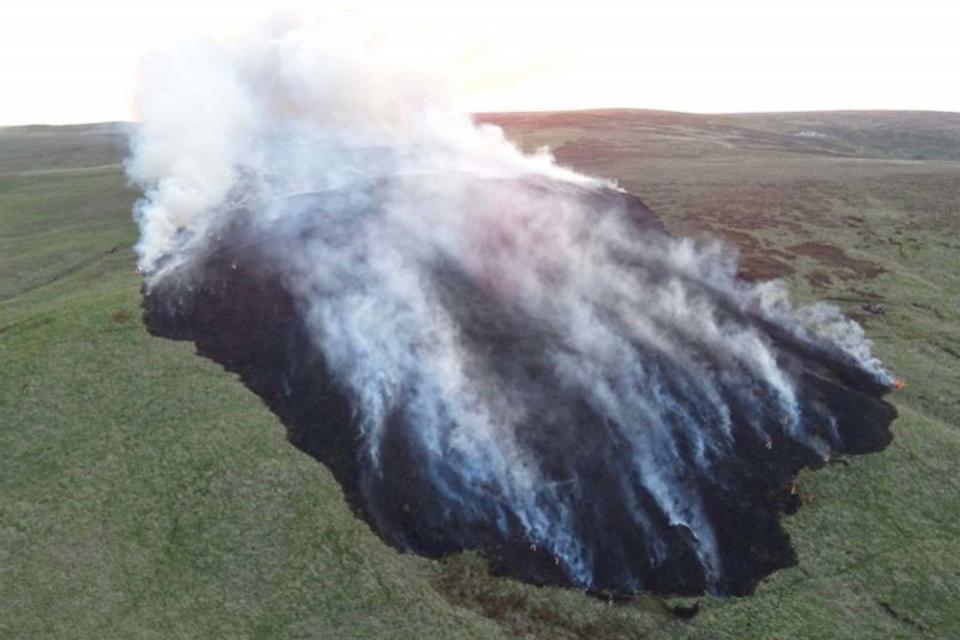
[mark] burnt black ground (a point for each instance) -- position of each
(241, 313)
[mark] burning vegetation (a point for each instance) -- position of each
(488, 351)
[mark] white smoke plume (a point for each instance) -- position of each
(655, 336)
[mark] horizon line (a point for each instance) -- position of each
(534, 112)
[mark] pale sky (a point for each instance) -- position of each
(77, 62)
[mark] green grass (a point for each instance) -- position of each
(144, 492)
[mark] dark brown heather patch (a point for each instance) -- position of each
(819, 279)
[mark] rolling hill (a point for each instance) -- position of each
(144, 492)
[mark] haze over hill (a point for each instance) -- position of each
(144, 488)
(908, 135)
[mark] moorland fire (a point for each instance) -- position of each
(489, 351)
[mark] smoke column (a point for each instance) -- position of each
(488, 350)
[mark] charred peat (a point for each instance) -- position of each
(241, 307)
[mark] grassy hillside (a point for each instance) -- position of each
(144, 492)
